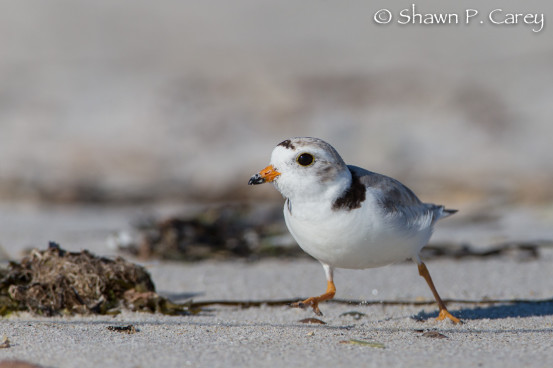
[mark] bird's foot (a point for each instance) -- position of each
(445, 314)
(313, 302)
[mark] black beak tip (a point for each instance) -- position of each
(256, 179)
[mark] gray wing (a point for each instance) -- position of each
(396, 199)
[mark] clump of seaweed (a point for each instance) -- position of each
(54, 282)
(218, 233)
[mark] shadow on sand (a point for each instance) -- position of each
(511, 310)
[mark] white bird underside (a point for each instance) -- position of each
(365, 237)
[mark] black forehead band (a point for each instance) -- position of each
(287, 144)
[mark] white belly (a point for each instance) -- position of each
(356, 239)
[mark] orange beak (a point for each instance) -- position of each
(268, 174)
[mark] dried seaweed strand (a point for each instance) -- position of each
(258, 303)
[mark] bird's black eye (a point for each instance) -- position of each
(305, 159)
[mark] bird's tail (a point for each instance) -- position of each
(446, 212)
(439, 212)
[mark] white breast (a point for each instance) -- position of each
(356, 239)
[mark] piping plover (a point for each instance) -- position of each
(346, 216)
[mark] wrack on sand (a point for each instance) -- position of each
(56, 282)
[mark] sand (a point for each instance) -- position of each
(493, 335)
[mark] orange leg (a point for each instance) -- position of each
(315, 300)
(423, 271)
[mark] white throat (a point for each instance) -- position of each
(304, 192)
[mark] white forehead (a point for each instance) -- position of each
(290, 148)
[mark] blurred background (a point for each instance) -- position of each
(124, 102)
